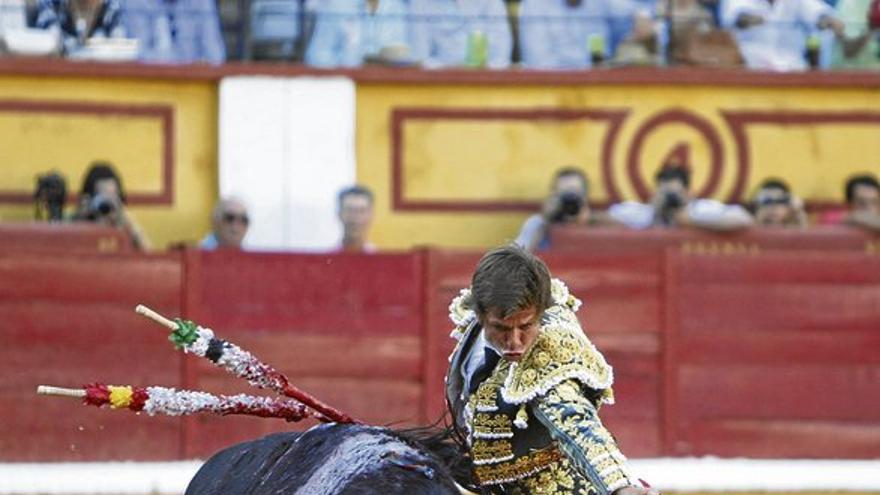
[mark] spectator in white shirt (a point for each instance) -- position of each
(450, 33)
(673, 206)
(13, 16)
(569, 34)
(350, 32)
(772, 34)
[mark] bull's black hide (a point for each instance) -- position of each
(326, 460)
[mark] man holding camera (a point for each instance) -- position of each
(102, 201)
(673, 206)
(775, 206)
(567, 204)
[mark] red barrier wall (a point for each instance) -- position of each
(773, 355)
(66, 238)
(574, 238)
(770, 354)
(67, 320)
(345, 328)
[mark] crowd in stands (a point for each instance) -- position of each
(779, 35)
(152, 31)
(674, 206)
(102, 200)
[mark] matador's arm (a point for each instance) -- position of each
(574, 422)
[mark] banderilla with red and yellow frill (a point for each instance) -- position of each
(192, 338)
(171, 402)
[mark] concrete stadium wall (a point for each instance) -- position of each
(160, 134)
(481, 154)
(456, 158)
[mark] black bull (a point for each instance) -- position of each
(328, 459)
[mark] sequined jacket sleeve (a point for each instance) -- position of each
(574, 423)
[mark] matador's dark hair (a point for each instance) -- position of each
(509, 279)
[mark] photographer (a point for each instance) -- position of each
(673, 206)
(102, 201)
(775, 206)
(567, 203)
(50, 197)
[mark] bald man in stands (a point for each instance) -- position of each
(229, 224)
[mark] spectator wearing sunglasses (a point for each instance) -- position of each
(230, 223)
(775, 206)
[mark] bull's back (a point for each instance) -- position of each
(328, 459)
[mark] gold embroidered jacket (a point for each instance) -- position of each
(533, 426)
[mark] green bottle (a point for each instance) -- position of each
(813, 51)
(596, 44)
(477, 49)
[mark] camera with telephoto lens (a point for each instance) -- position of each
(767, 200)
(669, 206)
(50, 196)
(101, 206)
(570, 205)
(671, 201)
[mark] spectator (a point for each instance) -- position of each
(102, 201)
(229, 225)
(772, 34)
(694, 38)
(570, 34)
(356, 215)
(673, 206)
(865, 53)
(863, 204)
(447, 33)
(567, 204)
(50, 197)
(863, 199)
(176, 31)
(79, 20)
(714, 8)
(276, 29)
(775, 206)
(13, 16)
(349, 32)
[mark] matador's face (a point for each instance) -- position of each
(511, 337)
